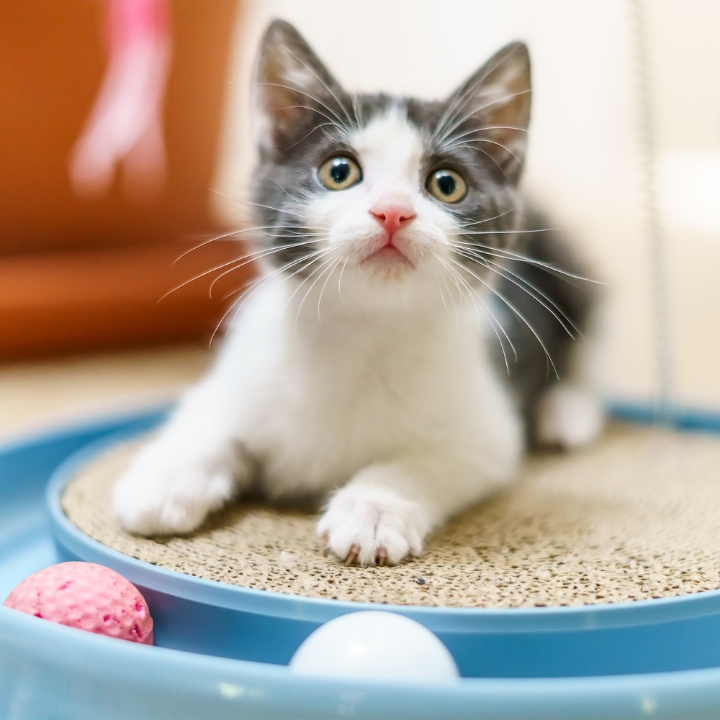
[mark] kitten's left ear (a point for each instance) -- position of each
(294, 89)
(498, 96)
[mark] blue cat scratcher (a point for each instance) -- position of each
(222, 650)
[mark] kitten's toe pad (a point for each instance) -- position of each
(167, 498)
(369, 525)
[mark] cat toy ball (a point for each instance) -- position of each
(375, 645)
(88, 597)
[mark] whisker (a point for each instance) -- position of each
(472, 294)
(476, 111)
(504, 232)
(256, 256)
(454, 108)
(270, 207)
(308, 134)
(323, 264)
(470, 143)
(330, 121)
(222, 237)
(342, 270)
(474, 223)
(321, 254)
(197, 277)
(276, 209)
(325, 85)
(338, 122)
(357, 109)
(504, 254)
(245, 258)
(529, 288)
(247, 292)
(322, 290)
(442, 297)
(452, 299)
(486, 128)
(515, 310)
(294, 199)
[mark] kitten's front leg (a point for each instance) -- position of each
(192, 468)
(384, 513)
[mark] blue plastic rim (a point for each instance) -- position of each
(49, 671)
(260, 626)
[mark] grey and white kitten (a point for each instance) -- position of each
(404, 344)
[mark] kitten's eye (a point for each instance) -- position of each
(447, 186)
(339, 173)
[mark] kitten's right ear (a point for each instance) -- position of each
(294, 89)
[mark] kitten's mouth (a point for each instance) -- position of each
(389, 255)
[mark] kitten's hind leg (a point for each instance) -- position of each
(570, 414)
(557, 383)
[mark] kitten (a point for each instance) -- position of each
(400, 350)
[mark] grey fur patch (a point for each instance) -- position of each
(480, 130)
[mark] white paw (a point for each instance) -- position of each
(568, 417)
(369, 525)
(161, 495)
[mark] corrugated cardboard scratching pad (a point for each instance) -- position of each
(635, 516)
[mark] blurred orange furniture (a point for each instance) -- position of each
(86, 275)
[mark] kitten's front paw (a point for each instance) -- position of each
(369, 525)
(165, 497)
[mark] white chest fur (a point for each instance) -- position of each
(402, 409)
(318, 397)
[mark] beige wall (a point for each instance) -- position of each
(583, 162)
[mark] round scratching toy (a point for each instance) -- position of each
(631, 517)
(375, 645)
(88, 597)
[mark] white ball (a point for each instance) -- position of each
(374, 645)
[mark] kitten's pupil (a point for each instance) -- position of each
(340, 170)
(446, 183)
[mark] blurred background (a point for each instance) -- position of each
(125, 141)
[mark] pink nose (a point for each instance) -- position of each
(392, 217)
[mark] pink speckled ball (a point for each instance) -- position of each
(85, 596)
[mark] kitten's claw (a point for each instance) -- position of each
(380, 559)
(371, 526)
(382, 556)
(353, 555)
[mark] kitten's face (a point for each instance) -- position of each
(390, 199)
